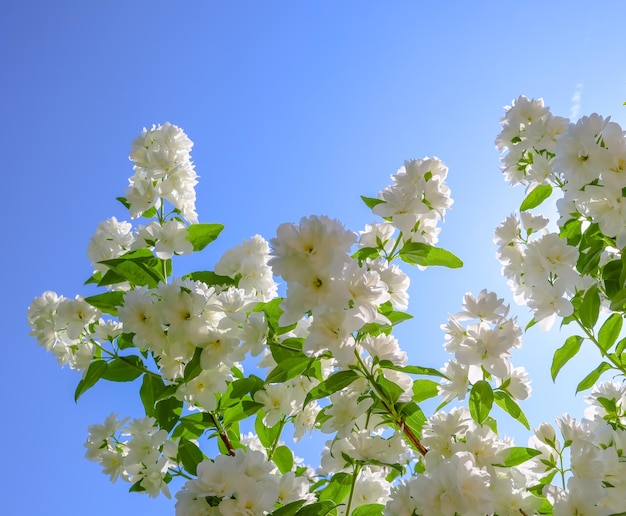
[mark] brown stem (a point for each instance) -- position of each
(223, 435)
(412, 437)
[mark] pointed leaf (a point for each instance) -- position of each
(290, 509)
(151, 388)
(337, 489)
(283, 458)
(317, 509)
(335, 382)
(537, 195)
(509, 405)
(124, 369)
(371, 201)
(210, 278)
(564, 354)
(95, 371)
(590, 307)
(107, 302)
(201, 235)
(418, 253)
(370, 509)
(517, 455)
(424, 389)
(480, 401)
(610, 330)
(590, 380)
(189, 455)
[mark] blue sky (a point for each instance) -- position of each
(295, 108)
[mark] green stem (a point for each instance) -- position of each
(357, 469)
(617, 365)
(561, 469)
(270, 452)
(390, 257)
(397, 419)
(113, 354)
(179, 473)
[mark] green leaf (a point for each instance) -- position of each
(288, 368)
(94, 372)
(317, 509)
(248, 385)
(210, 278)
(107, 302)
(168, 413)
(589, 260)
(151, 387)
(413, 417)
(337, 489)
(370, 509)
(366, 252)
(125, 340)
(192, 426)
(424, 389)
(610, 330)
(589, 381)
(391, 390)
(572, 231)
(124, 201)
(426, 371)
(517, 455)
(611, 276)
(290, 509)
(564, 354)
(201, 235)
(508, 404)
(480, 401)
(335, 382)
(537, 195)
(426, 255)
(590, 307)
(149, 213)
(124, 369)
(618, 300)
(193, 367)
(283, 458)
(371, 201)
(268, 435)
(189, 455)
(398, 317)
(241, 411)
(139, 268)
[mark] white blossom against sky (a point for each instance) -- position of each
(295, 108)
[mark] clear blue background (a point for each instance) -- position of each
(296, 108)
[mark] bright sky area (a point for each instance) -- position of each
(295, 108)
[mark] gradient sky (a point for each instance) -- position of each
(295, 108)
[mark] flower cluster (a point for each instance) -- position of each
(327, 353)
(466, 472)
(586, 160)
(417, 200)
(163, 171)
(244, 483)
(482, 349)
(140, 453)
(596, 464)
(66, 327)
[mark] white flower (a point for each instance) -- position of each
(318, 246)
(110, 240)
(172, 239)
(456, 486)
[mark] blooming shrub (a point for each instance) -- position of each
(328, 359)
